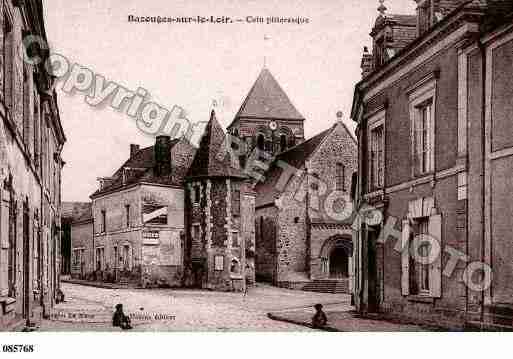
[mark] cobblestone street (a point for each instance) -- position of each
(91, 308)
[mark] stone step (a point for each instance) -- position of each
(328, 286)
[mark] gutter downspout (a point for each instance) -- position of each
(483, 160)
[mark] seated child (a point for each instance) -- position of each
(120, 319)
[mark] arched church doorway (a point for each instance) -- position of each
(338, 263)
(336, 257)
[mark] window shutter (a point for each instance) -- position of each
(435, 270)
(419, 143)
(4, 219)
(405, 258)
(413, 135)
(257, 231)
(4, 241)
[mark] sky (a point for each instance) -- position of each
(191, 65)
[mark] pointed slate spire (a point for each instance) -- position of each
(211, 159)
(267, 100)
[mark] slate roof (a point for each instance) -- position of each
(206, 162)
(405, 30)
(296, 157)
(267, 100)
(76, 211)
(399, 19)
(141, 168)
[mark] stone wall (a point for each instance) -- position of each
(218, 258)
(81, 238)
(155, 256)
(327, 203)
(30, 170)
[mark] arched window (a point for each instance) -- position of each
(283, 142)
(235, 266)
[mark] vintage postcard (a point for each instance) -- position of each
(255, 166)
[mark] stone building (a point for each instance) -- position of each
(220, 208)
(31, 140)
(435, 159)
(70, 211)
(81, 235)
(295, 239)
(138, 217)
(198, 229)
(303, 212)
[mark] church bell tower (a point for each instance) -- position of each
(267, 119)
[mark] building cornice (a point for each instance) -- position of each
(463, 24)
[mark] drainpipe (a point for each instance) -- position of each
(483, 159)
(93, 249)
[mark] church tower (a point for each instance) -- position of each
(267, 119)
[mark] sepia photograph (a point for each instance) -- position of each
(251, 167)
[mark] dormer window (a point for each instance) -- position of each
(379, 51)
(425, 12)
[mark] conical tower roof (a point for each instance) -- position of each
(267, 100)
(211, 159)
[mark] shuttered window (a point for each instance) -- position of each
(421, 278)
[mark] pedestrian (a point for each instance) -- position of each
(319, 320)
(120, 319)
(59, 298)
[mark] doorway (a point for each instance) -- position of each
(26, 261)
(372, 237)
(338, 263)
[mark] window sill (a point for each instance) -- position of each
(7, 300)
(421, 298)
(7, 304)
(423, 175)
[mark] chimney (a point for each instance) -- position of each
(340, 116)
(133, 149)
(366, 64)
(163, 155)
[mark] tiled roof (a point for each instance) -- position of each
(267, 100)
(296, 157)
(207, 161)
(141, 168)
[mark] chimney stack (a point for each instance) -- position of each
(163, 155)
(133, 149)
(340, 116)
(366, 64)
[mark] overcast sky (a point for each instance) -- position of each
(190, 65)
